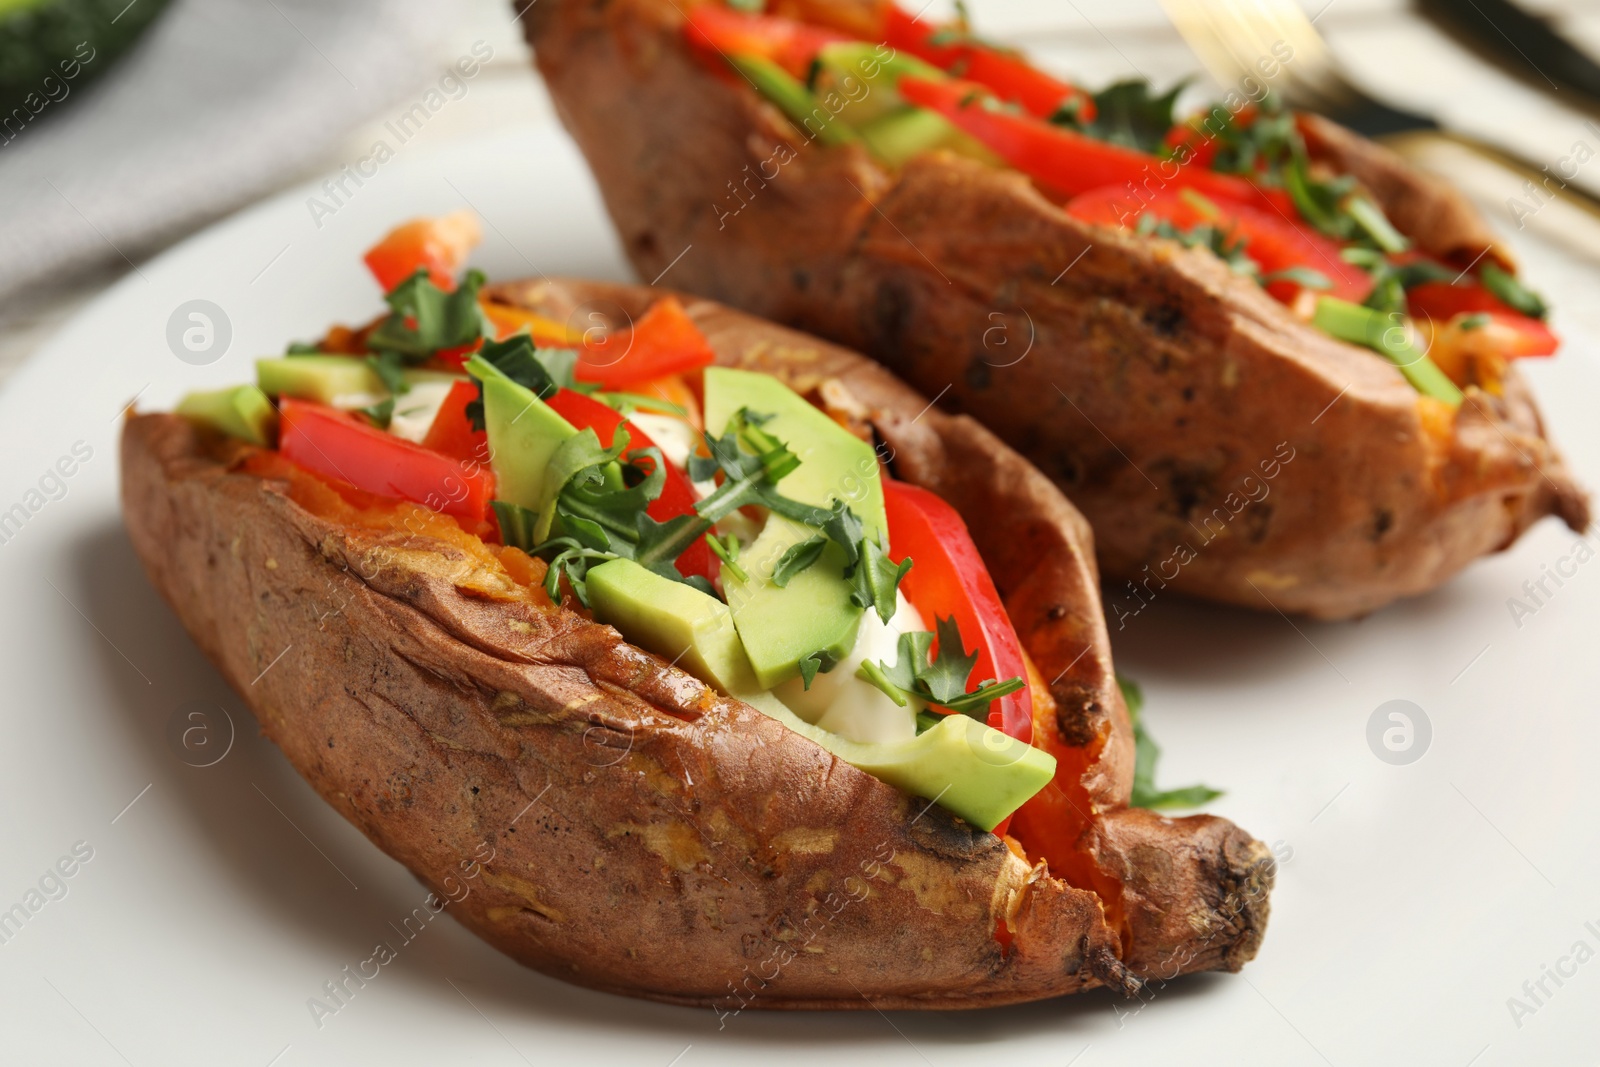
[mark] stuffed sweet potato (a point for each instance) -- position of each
(599, 812)
(1167, 333)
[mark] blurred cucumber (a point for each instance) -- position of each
(50, 48)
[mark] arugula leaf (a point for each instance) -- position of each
(1146, 753)
(819, 660)
(303, 348)
(1508, 289)
(1127, 113)
(390, 369)
(940, 679)
(1269, 149)
(875, 580)
(878, 676)
(1219, 242)
(424, 319)
(1304, 277)
(516, 524)
(727, 550)
(575, 465)
(796, 558)
(544, 371)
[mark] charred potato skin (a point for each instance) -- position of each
(607, 819)
(1158, 389)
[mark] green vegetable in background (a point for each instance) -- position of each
(1146, 753)
(49, 48)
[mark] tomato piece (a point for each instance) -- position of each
(1275, 243)
(787, 42)
(664, 341)
(948, 578)
(1010, 76)
(441, 245)
(1067, 163)
(452, 432)
(905, 33)
(332, 443)
(677, 495)
(1443, 301)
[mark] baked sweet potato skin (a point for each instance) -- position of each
(644, 835)
(1219, 446)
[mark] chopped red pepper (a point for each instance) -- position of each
(665, 340)
(1442, 301)
(1008, 75)
(1067, 163)
(948, 578)
(332, 443)
(451, 431)
(677, 495)
(787, 42)
(1275, 244)
(441, 245)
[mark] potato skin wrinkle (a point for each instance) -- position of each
(644, 834)
(1220, 447)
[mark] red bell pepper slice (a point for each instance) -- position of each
(451, 431)
(787, 42)
(1010, 76)
(1276, 244)
(1067, 163)
(1442, 301)
(664, 341)
(677, 495)
(948, 578)
(441, 245)
(332, 443)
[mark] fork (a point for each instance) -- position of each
(1230, 37)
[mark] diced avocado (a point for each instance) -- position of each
(813, 613)
(673, 620)
(834, 463)
(782, 626)
(338, 381)
(524, 432)
(896, 137)
(242, 411)
(858, 80)
(971, 769)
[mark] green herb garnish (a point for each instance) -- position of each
(1127, 113)
(940, 679)
(1146, 753)
(1512, 292)
(424, 319)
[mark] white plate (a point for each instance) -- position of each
(1416, 899)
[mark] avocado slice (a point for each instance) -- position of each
(973, 770)
(813, 613)
(860, 79)
(524, 432)
(241, 411)
(338, 381)
(793, 99)
(673, 620)
(896, 137)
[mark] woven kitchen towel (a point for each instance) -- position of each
(222, 101)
